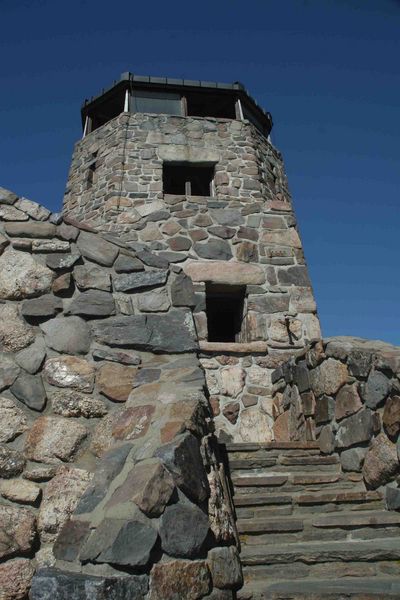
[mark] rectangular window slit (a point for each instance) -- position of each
(224, 309)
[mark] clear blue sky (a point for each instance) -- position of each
(327, 70)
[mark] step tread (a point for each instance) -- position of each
(314, 552)
(260, 480)
(337, 497)
(309, 460)
(267, 500)
(249, 447)
(364, 588)
(270, 524)
(364, 519)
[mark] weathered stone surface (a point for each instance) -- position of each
(91, 277)
(183, 530)
(183, 459)
(347, 401)
(376, 389)
(154, 301)
(135, 281)
(7, 197)
(61, 261)
(127, 264)
(179, 243)
(12, 462)
(352, 459)
(21, 276)
(255, 426)
(125, 358)
(269, 303)
(225, 567)
(175, 579)
(51, 584)
(359, 363)
(149, 485)
(70, 539)
(53, 245)
(232, 381)
(61, 496)
(116, 381)
(226, 216)
(324, 409)
(33, 209)
(182, 291)
(14, 333)
(67, 335)
(234, 273)
(30, 229)
(71, 403)
(107, 469)
(67, 232)
(328, 377)
(15, 578)
(92, 304)
(62, 285)
(129, 543)
(297, 275)
(10, 213)
(355, 429)
(54, 439)
(13, 421)
(124, 424)
(281, 427)
(19, 490)
(17, 530)
(391, 416)
(213, 250)
(29, 389)
(45, 306)
(173, 332)
(381, 463)
(9, 371)
(326, 440)
(231, 411)
(70, 372)
(32, 357)
(40, 473)
(97, 249)
(392, 497)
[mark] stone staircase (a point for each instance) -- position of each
(308, 531)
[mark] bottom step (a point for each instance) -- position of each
(324, 589)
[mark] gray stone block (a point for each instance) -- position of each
(97, 249)
(129, 282)
(92, 304)
(52, 584)
(183, 530)
(67, 335)
(355, 429)
(29, 389)
(214, 250)
(376, 389)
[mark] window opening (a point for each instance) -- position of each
(182, 179)
(224, 309)
(91, 173)
(156, 102)
(209, 105)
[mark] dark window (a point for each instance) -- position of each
(106, 110)
(91, 172)
(190, 180)
(209, 105)
(224, 309)
(156, 102)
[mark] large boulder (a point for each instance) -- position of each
(15, 334)
(21, 276)
(179, 579)
(54, 439)
(183, 530)
(381, 463)
(17, 531)
(67, 335)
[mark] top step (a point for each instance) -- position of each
(250, 447)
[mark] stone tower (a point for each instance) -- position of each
(184, 173)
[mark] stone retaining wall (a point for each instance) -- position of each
(345, 392)
(111, 482)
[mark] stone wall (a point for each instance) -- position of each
(245, 234)
(345, 392)
(111, 481)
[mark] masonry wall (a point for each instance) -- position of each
(245, 234)
(111, 483)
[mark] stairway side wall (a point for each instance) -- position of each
(345, 393)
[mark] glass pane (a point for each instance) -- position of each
(156, 102)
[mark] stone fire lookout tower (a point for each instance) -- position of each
(185, 171)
